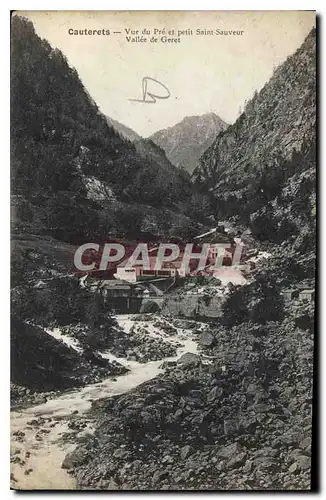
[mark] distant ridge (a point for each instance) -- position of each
(123, 130)
(185, 142)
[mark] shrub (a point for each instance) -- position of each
(149, 307)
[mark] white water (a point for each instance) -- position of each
(66, 339)
(46, 455)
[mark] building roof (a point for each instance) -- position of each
(114, 282)
(115, 285)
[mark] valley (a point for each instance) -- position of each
(204, 382)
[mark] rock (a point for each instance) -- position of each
(229, 451)
(112, 485)
(75, 458)
(33, 422)
(160, 476)
(248, 425)
(305, 443)
(19, 434)
(214, 393)
(167, 459)
(247, 467)
(231, 426)
(165, 487)
(178, 414)
(206, 339)
(121, 453)
(265, 464)
(185, 452)
(236, 461)
(294, 468)
(285, 439)
(194, 393)
(221, 467)
(198, 419)
(304, 462)
(167, 364)
(189, 359)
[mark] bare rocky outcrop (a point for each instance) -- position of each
(186, 141)
(268, 148)
(202, 426)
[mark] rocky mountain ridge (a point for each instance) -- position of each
(123, 130)
(277, 122)
(186, 141)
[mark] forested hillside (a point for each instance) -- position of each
(261, 169)
(73, 176)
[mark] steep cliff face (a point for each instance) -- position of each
(188, 140)
(272, 140)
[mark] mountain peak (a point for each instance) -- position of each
(186, 141)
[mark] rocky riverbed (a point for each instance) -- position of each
(43, 434)
(231, 409)
(239, 418)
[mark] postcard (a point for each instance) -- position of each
(163, 244)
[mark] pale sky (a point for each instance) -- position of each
(203, 73)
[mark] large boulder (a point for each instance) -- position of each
(75, 458)
(214, 393)
(229, 451)
(189, 359)
(185, 452)
(206, 339)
